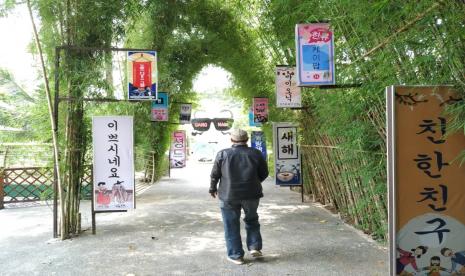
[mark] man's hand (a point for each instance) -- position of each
(214, 194)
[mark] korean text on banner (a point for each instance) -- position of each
(315, 54)
(113, 179)
(160, 108)
(142, 75)
(257, 141)
(260, 110)
(178, 149)
(426, 182)
(287, 155)
(185, 114)
(287, 91)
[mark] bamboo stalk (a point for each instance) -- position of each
(52, 121)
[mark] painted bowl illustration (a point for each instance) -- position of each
(285, 176)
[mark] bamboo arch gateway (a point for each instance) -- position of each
(426, 182)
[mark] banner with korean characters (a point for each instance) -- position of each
(185, 114)
(287, 92)
(426, 182)
(257, 141)
(160, 108)
(314, 54)
(252, 123)
(286, 154)
(260, 110)
(142, 75)
(178, 149)
(113, 168)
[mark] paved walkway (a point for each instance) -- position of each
(177, 230)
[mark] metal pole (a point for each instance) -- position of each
(92, 203)
(93, 212)
(302, 177)
(55, 117)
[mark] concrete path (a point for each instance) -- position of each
(177, 230)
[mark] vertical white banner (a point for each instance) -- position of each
(287, 92)
(112, 138)
(286, 154)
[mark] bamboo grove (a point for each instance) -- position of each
(378, 43)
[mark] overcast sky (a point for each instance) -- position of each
(16, 32)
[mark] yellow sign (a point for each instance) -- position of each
(427, 183)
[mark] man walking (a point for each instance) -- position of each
(240, 171)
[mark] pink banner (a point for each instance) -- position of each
(260, 110)
(178, 149)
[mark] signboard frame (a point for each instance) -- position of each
(126, 153)
(414, 98)
(150, 64)
(173, 148)
(300, 67)
(287, 85)
(290, 163)
(253, 142)
(256, 101)
(162, 106)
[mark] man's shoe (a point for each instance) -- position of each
(256, 253)
(239, 261)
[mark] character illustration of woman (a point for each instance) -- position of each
(434, 267)
(103, 198)
(409, 258)
(119, 194)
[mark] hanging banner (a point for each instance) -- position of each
(257, 141)
(287, 91)
(142, 75)
(251, 119)
(315, 54)
(260, 110)
(178, 149)
(287, 155)
(160, 108)
(185, 114)
(113, 168)
(426, 182)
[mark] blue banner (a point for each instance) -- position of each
(251, 119)
(258, 142)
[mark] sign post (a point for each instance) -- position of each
(426, 182)
(178, 149)
(258, 141)
(288, 94)
(160, 108)
(287, 155)
(260, 110)
(142, 75)
(185, 114)
(113, 168)
(315, 54)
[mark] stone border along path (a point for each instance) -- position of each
(177, 230)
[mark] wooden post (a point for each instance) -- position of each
(2, 175)
(153, 168)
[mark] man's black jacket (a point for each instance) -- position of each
(240, 171)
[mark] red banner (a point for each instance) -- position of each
(142, 74)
